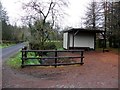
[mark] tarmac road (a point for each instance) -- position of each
(8, 52)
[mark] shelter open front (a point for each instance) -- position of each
(78, 38)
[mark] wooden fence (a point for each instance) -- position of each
(55, 57)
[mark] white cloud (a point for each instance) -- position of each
(14, 10)
(75, 11)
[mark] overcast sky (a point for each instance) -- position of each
(75, 11)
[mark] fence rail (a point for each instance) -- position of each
(55, 57)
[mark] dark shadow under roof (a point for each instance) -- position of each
(83, 30)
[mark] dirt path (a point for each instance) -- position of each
(99, 71)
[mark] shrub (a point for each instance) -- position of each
(34, 46)
(50, 45)
(47, 46)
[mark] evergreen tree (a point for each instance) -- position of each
(93, 16)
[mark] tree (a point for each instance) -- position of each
(4, 19)
(108, 19)
(110, 22)
(113, 24)
(3, 14)
(105, 17)
(93, 16)
(9, 32)
(42, 18)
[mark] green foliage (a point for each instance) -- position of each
(113, 24)
(47, 46)
(58, 45)
(4, 45)
(15, 61)
(32, 62)
(6, 31)
(41, 32)
(100, 43)
(9, 32)
(50, 45)
(114, 41)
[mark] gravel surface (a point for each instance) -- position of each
(100, 70)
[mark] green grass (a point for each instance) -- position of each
(15, 61)
(114, 50)
(3, 45)
(32, 61)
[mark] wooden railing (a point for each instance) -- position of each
(55, 57)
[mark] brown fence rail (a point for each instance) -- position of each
(55, 57)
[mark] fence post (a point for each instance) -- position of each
(22, 66)
(55, 58)
(81, 58)
(24, 55)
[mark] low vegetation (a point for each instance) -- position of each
(15, 61)
(4, 45)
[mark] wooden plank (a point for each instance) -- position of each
(71, 57)
(54, 57)
(57, 64)
(52, 50)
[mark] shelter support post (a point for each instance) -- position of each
(81, 58)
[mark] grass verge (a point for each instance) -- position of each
(3, 45)
(15, 61)
(114, 50)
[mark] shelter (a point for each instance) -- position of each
(79, 38)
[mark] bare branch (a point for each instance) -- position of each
(37, 8)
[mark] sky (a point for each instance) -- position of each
(75, 11)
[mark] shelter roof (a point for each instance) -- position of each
(83, 30)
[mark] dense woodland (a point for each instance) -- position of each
(105, 16)
(10, 33)
(41, 22)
